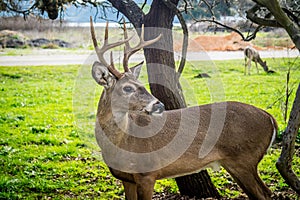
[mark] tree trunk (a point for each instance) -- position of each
(197, 185)
(284, 163)
(164, 84)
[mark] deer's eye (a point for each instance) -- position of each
(128, 89)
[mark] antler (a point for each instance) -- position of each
(100, 51)
(129, 51)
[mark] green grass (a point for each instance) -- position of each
(47, 148)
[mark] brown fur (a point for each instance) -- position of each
(246, 135)
(141, 144)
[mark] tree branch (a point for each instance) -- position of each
(281, 17)
(292, 16)
(11, 7)
(144, 4)
(251, 15)
(131, 10)
(248, 38)
(284, 163)
(173, 7)
(208, 6)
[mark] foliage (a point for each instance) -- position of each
(39, 7)
(201, 10)
(43, 155)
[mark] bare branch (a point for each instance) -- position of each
(185, 5)
(144, 4)
(251, 15)
(12, 7)
(248, 38)
(210, 7)
(284, 163)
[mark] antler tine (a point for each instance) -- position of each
(95, 42)
(144, 43)
(105, 47)
(112, 60)
(128, 51)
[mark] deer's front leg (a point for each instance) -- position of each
(145, 186)
(256, 67)
(245, 66)
(249, 66)
(130, 190)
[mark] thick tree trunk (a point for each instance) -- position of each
(164, 84)
(162, 76)
(284, 163)
(197, 185)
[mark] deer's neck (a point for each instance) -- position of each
(104, 112)
(107, 114)
(111, 123)
(263, 64)
(119, 123)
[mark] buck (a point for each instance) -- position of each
(252, 54)
(141, 142)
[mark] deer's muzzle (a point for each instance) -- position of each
(155, 108)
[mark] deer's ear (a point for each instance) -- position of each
(102, 76)
(136, 70)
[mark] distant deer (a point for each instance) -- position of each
(141, 142)
(252, 54)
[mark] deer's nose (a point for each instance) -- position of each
(158, 108)
(155, 107)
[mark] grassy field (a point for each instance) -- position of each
(47, 149)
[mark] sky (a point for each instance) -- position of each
(82, 14)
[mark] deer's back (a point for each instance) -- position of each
(227, 131)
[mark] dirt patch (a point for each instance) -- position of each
(230, 42)
(166, 196)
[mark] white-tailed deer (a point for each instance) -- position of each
(252, 54)
(141, 142)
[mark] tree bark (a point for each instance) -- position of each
(197, 185)
(131, 10)
(284, 163)
(162, 76)
(164, 84)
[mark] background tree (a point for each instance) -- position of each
(274, 13)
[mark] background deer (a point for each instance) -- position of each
(141, 143)
(252, 54)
